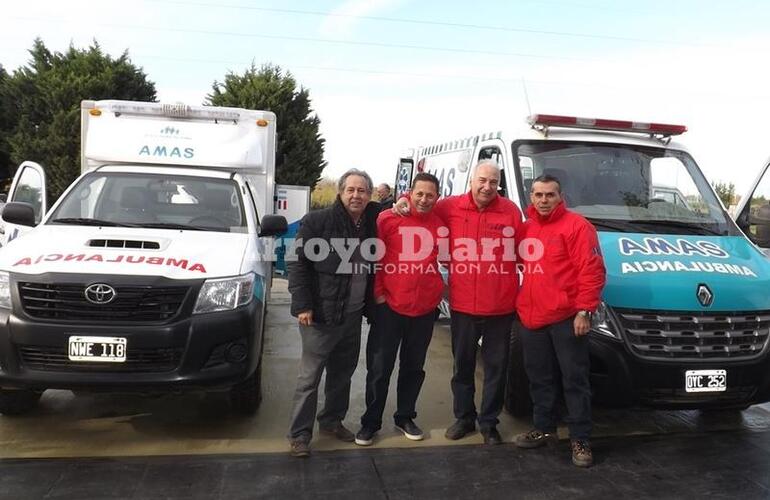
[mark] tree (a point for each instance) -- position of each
(47, 94)
(300, 147)
(8, 118)
(726, 192)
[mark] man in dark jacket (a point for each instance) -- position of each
(331, 288)
(385, 195)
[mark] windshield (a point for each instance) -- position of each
(147, 200)
(622, 187)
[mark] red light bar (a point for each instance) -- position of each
(605, 124)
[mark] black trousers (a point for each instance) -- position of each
(391, 330)
(547, 352)
(495, 332)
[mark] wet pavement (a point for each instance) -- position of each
(189, 446)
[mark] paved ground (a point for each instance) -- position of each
(714, 465)
(191, 447)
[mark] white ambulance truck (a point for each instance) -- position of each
(151, 271)
(685, 315)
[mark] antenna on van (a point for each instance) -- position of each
(526, 95)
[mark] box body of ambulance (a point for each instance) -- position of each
(151, 271)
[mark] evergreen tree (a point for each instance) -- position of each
(47, 94)
(8, 118)
(299, 148)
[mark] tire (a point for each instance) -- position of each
(18, 402)
(246, 396)
(517, 400)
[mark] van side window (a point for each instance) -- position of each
(30, 190)
(755, 219)
(494, 153)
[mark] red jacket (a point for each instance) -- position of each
(479, 285)
(409, 277)
(570, 275)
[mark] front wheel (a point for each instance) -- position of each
(517, 400)
(246, 396)
(18, 402)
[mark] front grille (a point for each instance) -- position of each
(132, 303)
(137, 360)
(687, 335)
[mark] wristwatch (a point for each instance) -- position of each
(584, 313)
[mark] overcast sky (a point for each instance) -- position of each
(385, 75)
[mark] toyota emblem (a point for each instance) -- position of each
(100, 294)
(704, 294)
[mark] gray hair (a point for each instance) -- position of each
(485, 163)
(360, 173)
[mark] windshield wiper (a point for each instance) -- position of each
(86, 221)
(694, 227)
(171, 225)
(622, 226)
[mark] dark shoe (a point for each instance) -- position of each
(491, 436)
(339, 431)
(581, 453)
(459, 429)
(536, 439)
(410, 429)
(365, 436)
(299, 448)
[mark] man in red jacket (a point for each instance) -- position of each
(483, 227)
(407, 289)
(555, 305)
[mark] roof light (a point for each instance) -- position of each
(176, 110)
(95, 112)
(261, 122)
(606, 124)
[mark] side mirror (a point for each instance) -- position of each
(273, 225)
(18, 212)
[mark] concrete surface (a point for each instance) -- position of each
(66, 425)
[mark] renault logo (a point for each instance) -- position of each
(705, 297)
(100, 293)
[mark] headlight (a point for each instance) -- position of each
(5, 290)
(225, 294)
(603, 322)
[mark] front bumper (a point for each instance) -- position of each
(621, 378)
(205, 351)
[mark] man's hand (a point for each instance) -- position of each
(305, 318)
(401, 207)
(380, 299)
(582, 325)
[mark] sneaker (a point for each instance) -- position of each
(491, 436)
(581, 453)
(536, 439)
(459, 429)
(365, 436)
(338, 431)
(410, 429)
(299, 448)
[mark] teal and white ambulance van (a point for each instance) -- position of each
(685, 317)
(151, 272)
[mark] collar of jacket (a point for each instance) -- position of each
(468, 203)
(556, 214)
